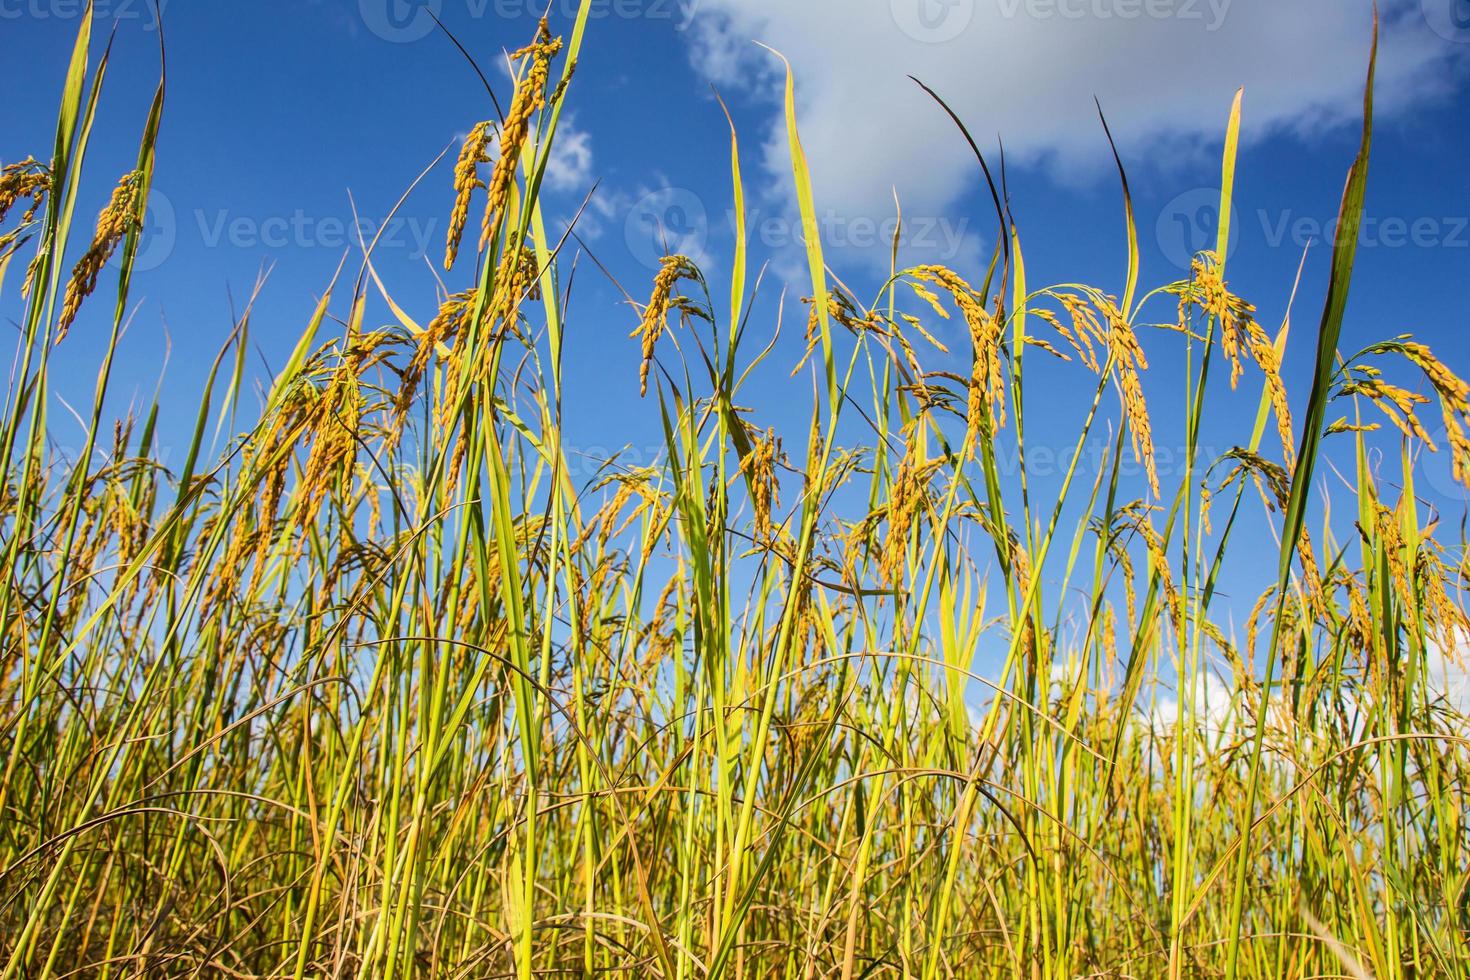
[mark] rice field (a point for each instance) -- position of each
(387, 687)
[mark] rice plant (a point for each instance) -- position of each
(384, 689)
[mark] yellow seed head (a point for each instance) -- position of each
(987, 389)
(759, 468)
(1129, 362)
(1263, 352)
(530, 96)
(656, 313)
(24, 179)
(466, 179)
(124, 213)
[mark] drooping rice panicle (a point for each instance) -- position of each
(655, 322)
(530, 96)
(123, 214)
(466, 179)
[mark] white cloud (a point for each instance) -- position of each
(570, 166)
(647, 221)
(1449, 674)
(1165, 71)
(1218, 716)
(1213, 713)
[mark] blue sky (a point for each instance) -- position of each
(277, 110)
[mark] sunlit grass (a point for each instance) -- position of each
(385, 689)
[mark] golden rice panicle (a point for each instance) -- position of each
(1211, 293)
(1263, 352)
(1108, 638)
(987, 390)
(813, 333)
(516, 280)
(1449, 385)
(605, 523)
(1084, 330)
(530, 96)
(1257, 617)
(335, 422)
(1398, 404)
(759, 467)
(1459, 448)
(1312, 587)
(1130, 591)
(1082, 345)
(855, 544)
(1273, 482)
(904, 502)
(1359, 622)
(1396, 552)
(1020, 560)
(1023, 574)
(29, 179)
(448, 323)
(656, 313)
(1270, 479)
(1159, 560)
(1454, 400)
(1129, 361)
(466, 178)
(122, 215)
(1445, 617)
(844, 310)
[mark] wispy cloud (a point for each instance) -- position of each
(1164, 70)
